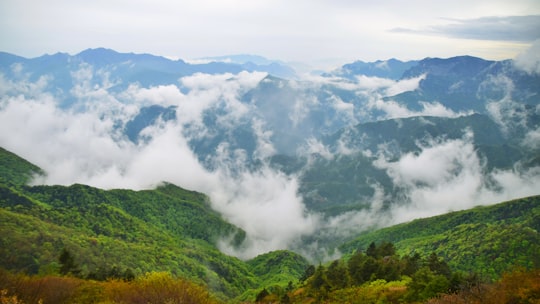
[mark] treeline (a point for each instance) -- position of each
(376, 275)
(488, 240)
(69, 267)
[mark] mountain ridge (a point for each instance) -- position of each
(44, 216)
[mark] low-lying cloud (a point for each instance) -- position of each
(444, 175)
(87, 147)
(84, 144)
(529, 60)
(394, 109)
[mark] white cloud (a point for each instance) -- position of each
(267, 206)
(265, 148)
(206, 91)
(404, 85)
(394, 109)
(449, 175)
(532, 139)
(85, 147)
(509, 28)
(529, 60)
(313, 146)
(164, 95)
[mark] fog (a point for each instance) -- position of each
(84, 144)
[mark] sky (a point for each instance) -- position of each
(311, 31)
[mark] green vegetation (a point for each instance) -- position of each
(380, 275)
(65, 244)
(16, 170)
(278, 271)
(103, 234)
(486, 240)
(154, 287)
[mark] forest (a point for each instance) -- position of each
(80, 244)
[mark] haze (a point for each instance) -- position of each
(317, 32)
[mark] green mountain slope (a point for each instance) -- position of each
(342, 183)
(15, 169)
(486, 240)
(109, 231)
(175, 230)
(101, 233)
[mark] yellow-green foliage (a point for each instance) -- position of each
(155, 287)
(518, 286)
(486, 240)
(378, 291)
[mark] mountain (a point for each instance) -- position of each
(125, 233)
(16, 170)
(487, 240)
(117, 70)
(165, 229)
(343, 182)
(379, 144)
(391, 69)
(465, 82)
(255, 62)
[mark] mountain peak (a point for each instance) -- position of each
(459, 65)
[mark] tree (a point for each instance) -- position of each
(370, 268)
(337, 275)
(355, 268)
(426, 284)
(438, 265)
(411, 264)
(372, 250)
(320, 281)
(261, 295)
(310, 270)
(385, 249)
(67, 264)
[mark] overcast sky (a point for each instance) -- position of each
(293, 30)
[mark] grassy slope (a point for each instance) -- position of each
(487, 240)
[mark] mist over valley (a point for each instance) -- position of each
(297, 161)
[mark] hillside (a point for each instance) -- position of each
(487, 240)
(16, 170)
(125, 233)
(344, 182)
(122, 231)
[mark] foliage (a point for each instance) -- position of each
(117, 234)
(155, 287)
(16, 170)
(67, 264)
(377, 275)
(518, 286)
(124, 246)
(485, 240)
(278, 267)
(431, 281)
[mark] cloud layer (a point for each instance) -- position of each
(86, 144)
(86, 147)
(507, 28)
